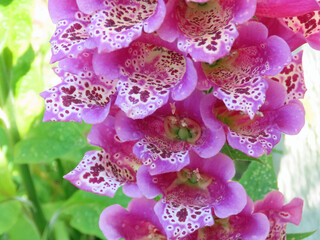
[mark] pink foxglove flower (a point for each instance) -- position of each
(279, 214)
(237, 79)
(260, 134)
(106, 25)
(137, 223)
(205, 29)
(285, 8)
(149, 71)
(82, 95)
(164, 139)
(103, 172)
(192, 195)
(292, 78)
(245, 225)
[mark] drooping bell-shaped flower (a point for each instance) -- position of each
(285, 8)
(237, 79)
(279, 214)
(103, 172)
(258, 135)
(245, 225)
(107, 25)
(292, 78)
(149, 71)
(205, 29)
(82, 95)
(139, 222)
(192, 195)
(164, 139)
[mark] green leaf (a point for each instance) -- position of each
(237, 155)
(5, 74)
(299, 236)
(10, 212)
(259, 179)
(23, 229)
(3, 137)
(84, 209)
(16, 25)
(49, 141)
(22, 66)
(7, 187)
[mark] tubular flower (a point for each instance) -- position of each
(292, 78)
(192, 195)
(205, 29)
(260, 134)
(103, 172)
(279, 214)
(164, 139)
(139, 222)
(81, 95)
(237, 79)
(244, 225)
(107, 25)
(148, 71)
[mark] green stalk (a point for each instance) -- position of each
(24, 169)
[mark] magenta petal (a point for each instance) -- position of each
(233, 201)
(91, 6)
(275, 96)
(96, 114)
(255, 145)
(187, 84)
(139, 222)
(285, 8)
(211, 142)
(220, 166)
(95, 174)
(207, 114)
(69, 37)
(146, 183)
(180, 220)
(155, 21)
(273, 200)
(77, 92)
(291, 117)
(111, 221)
(160, 156)
(278, 54)
(126, 128)
(132, 190)
(250, 34)
(62, 9)
(293, 211)
(118, 24)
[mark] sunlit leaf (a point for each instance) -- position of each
(5, 74)
(84, 210)
(16, 25)
(23, 229)
(22, 67)
(237, 155)
(10, 211)
(3, 137)
(260, 179)
(299, 236)
(49, 141)
(7, 187)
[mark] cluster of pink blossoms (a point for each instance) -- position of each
(166, 83)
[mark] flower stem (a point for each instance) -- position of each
(14, 136)
(32, 195)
